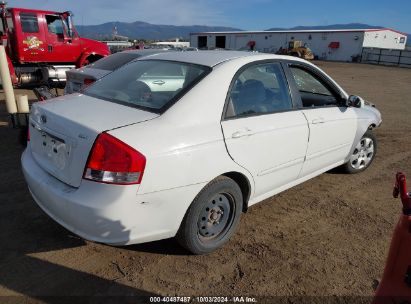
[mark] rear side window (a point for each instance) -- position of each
(152, 85)
(113, 62)
(259, 89)
(29, 23)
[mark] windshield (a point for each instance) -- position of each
(153, 85)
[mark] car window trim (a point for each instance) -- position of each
(242, 69)
(325, 80)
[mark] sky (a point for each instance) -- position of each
(243, 14)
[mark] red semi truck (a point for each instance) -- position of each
(42, 45)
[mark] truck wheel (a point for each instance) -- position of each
(363, 154)
(212, 217)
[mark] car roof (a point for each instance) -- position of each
(207, 58)
(144, 52)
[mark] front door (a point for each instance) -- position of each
(60, 47)
(263, 132)
(332, 125)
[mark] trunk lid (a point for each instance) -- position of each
(63, 130)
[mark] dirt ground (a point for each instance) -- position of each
(328, 236)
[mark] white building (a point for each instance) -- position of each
(118, 45)
(338, 45)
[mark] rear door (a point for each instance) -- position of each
(263, 131)
(332, 125)
(32, 38)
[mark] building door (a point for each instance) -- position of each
(202, 42)
(220, 42)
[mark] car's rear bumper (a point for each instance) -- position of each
(106, 213)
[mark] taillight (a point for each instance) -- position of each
(114, 162)
(88, 81)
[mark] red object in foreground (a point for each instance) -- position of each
(395, 286)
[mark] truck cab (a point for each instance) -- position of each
(46, 39)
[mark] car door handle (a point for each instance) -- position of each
(159, 82)
(242, 133)
(318, 120)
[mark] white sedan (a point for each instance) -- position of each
(125, 163)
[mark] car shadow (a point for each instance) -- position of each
(167, 246)
(338, 171)
(36, 279)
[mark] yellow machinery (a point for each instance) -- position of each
(298, 49)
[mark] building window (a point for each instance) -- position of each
(324, 36)
(402, 40)
(29, 23)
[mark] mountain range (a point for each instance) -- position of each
(348, 26)
(144, 30)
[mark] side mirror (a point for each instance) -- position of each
(68, 40)
(355, 101)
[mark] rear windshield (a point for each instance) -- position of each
(113, 62)
(152, 85)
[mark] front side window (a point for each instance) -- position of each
(259, 89)
(54, 24)
(148, 84)
(29, 23)
(314, 92)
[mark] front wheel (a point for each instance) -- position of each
(212, 217)
(363, 154)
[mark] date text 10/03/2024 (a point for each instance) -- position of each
(207, 299)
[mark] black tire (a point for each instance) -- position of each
(351, 167)
(219, 203)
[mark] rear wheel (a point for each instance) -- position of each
(363, 154)
(212, 217)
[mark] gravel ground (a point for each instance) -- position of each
(328, 236)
